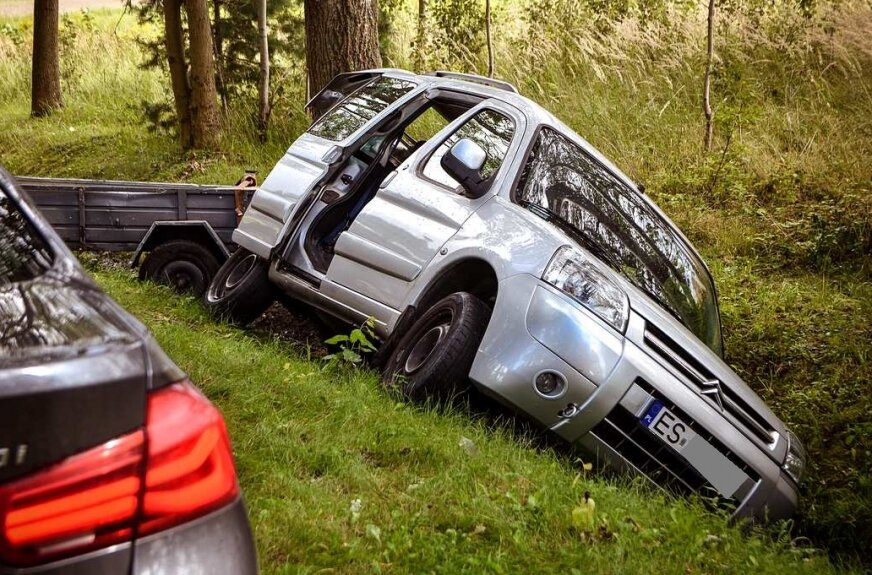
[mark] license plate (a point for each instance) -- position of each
(667, 426)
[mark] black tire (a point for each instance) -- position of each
(241, 291)
(186, 266)
(433, 359)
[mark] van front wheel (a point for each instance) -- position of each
(433, 359)
(241, 291)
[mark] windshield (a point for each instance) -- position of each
(619, 227)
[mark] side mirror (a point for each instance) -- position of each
(464, 162)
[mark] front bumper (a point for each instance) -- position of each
(535, 327)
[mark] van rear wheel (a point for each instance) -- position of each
(241, 291)
(433, 359)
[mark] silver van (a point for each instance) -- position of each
(493, 245)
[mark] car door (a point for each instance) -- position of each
(417, 209)
(282, 199)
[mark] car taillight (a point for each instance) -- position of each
(190, 465)
(98, 498)
(89, 500)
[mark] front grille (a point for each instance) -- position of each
(623, 432)
(697, 374)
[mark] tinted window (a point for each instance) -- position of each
(490, 130)
(44, 314)
(23, 254)
(621, 228)
(359, 108)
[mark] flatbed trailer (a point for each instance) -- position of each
(182, 230)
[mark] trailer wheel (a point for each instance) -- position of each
(186, 266)
(241, 291)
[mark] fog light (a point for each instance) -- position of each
(550, 384)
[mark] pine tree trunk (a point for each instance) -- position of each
(490, 46)
(707, 83)
(263, 88)
(178, 69)
(341, 36)
(420, 55)
(46, 82)
(219, 53)
(205, 119)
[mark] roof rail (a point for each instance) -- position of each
(493, 83)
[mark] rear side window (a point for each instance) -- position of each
(23, 253)
(490, 130)
(361, 107)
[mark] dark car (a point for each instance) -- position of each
(111, 461)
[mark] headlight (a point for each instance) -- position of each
(794, 463)
(572, 272)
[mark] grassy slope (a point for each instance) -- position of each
(779, 209)
(309, 442)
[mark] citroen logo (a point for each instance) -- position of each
(712, 388)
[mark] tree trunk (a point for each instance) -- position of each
(219, 54)
(178, 69)
(490, 46)
(263, 92)
(419, 56)
(46, 80)
(707, 83)
(205, 119)
(341, 36)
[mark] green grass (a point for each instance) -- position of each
(309, 442)
(780, 209)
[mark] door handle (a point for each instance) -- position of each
(388, 179)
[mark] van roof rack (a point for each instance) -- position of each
(492, 82)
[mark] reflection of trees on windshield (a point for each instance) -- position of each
(490, 130)
(630, 235)
(40, 309)
(22, 254)
(360, 108)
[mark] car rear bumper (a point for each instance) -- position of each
(217, 544)
(610, 378)
(220, 543)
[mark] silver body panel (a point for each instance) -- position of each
(414, 231)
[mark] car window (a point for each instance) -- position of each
(361, 107)
(23, 253)
(622, 229)
(490, 130)
(427, 125)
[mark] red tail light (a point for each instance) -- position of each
(190, 465)
(97, 498)
(87, 501)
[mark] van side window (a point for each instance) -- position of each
(359, 108)
(490, 130)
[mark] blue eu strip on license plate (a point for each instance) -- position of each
(651, 413)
